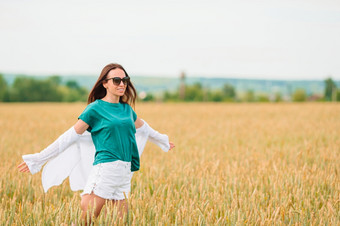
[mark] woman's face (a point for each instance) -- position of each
(111, 87)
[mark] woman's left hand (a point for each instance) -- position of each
(172, 145)
(23, 167)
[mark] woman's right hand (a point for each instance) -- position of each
(23, 167)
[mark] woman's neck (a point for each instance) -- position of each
(111, 99)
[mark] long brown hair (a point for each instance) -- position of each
(98, 91)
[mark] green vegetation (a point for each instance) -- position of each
(52, 89)
(331, 92)
(299, 95)
(3, 88)
(198, 93)
(27, 89)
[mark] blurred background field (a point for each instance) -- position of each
(234, 163)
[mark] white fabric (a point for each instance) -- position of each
(76, 161)
(161, 140)
(37, 160)
(110, 180)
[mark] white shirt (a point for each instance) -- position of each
(76, 161)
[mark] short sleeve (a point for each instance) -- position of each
(88, 116)
(134, 115)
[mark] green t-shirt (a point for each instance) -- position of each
(113, 131)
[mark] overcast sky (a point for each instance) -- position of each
(271, 39)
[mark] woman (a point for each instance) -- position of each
(112, 124)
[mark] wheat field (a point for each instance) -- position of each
(234, 164)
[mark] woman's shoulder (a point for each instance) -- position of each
(92, 105)
(126, 105)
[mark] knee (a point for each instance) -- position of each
(84, 204)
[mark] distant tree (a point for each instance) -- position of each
(330, 90)
(23, 89)
(299, 95)
(72, 84)
(229, 91)
(338, 95)
(277, 97)
(262, 97)
(144, 96)
(55, 80)
(26, 89)
(249, 96)
(194, 92)
(73, 92)
(166, 96)
(216, 96)
(170, 97)
(149, 97)
(3, 88)
(181, 91)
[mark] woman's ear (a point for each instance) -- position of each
(104, 84)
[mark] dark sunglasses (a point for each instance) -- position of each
(117, 80)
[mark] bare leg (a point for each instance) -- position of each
(91, 204)
(122, 207)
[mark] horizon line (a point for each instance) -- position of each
(235, 76)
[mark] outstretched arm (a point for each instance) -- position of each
(33, 162)
(154, 136)
(139, 123)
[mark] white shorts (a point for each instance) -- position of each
(110, 180)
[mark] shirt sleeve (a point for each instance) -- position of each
(88, 117)
(134, 115)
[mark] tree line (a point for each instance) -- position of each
(51, 89)
(27, 89)
(228, 93)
